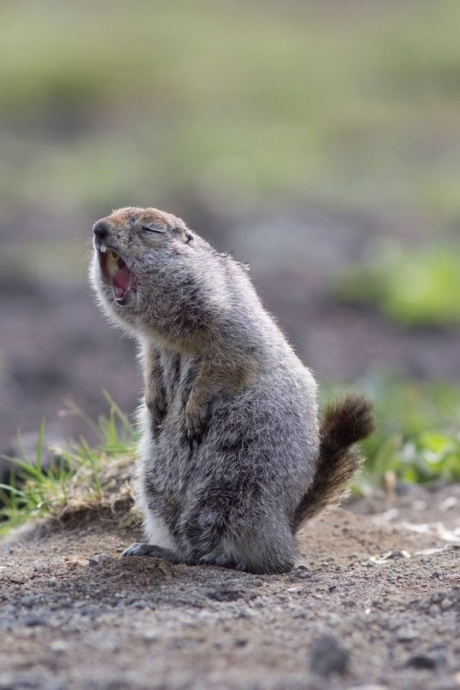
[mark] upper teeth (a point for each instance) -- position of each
(102, 248)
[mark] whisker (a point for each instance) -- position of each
(85, 259)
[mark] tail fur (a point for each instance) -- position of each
(344, 422)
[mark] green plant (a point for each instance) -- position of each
(417, 437)
(79, 478)
(411, 286)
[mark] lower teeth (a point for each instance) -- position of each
(112, 264)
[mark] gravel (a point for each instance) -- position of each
(75, 615)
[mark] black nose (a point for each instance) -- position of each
(101, 229)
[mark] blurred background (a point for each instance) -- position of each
(317, 140)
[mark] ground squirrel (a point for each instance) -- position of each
(232, 457)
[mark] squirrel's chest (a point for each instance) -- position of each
(177, 374)
(170, 459)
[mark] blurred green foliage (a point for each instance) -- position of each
(417, 287)
(349, 104)
(417, 435)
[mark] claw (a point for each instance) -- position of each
(197, 423)
(140, 549)
(137, 550)
(157, 409)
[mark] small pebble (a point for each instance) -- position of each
(351, 603)
(398, 553)
(140, 604)
(328, 656)
(225, 594)
(301, 572)
(406, 635)
(32, 621)
(150, 635)
(421, 661)
(99, 558)
(58, 646)
(41, 568)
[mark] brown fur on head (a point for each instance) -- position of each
(146, 269)
(139, 225)
(133, 218)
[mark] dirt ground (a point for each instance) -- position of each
(374, 604)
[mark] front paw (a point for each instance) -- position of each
(196, 421)
(157, 408)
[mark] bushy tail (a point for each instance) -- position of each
(344, 423)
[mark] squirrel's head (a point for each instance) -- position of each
(136, 251)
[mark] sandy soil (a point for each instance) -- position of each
(375, 604)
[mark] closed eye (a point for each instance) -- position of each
(153, 228)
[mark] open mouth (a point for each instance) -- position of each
(116, 272)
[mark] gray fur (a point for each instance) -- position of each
(230, 436)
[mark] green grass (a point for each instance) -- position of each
(80, 480)
(415, 287)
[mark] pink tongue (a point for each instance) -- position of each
(118, 291)
(122, 279)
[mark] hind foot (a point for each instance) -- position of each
(152, 551)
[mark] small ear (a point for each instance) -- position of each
(151, 227)
(188, 237)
